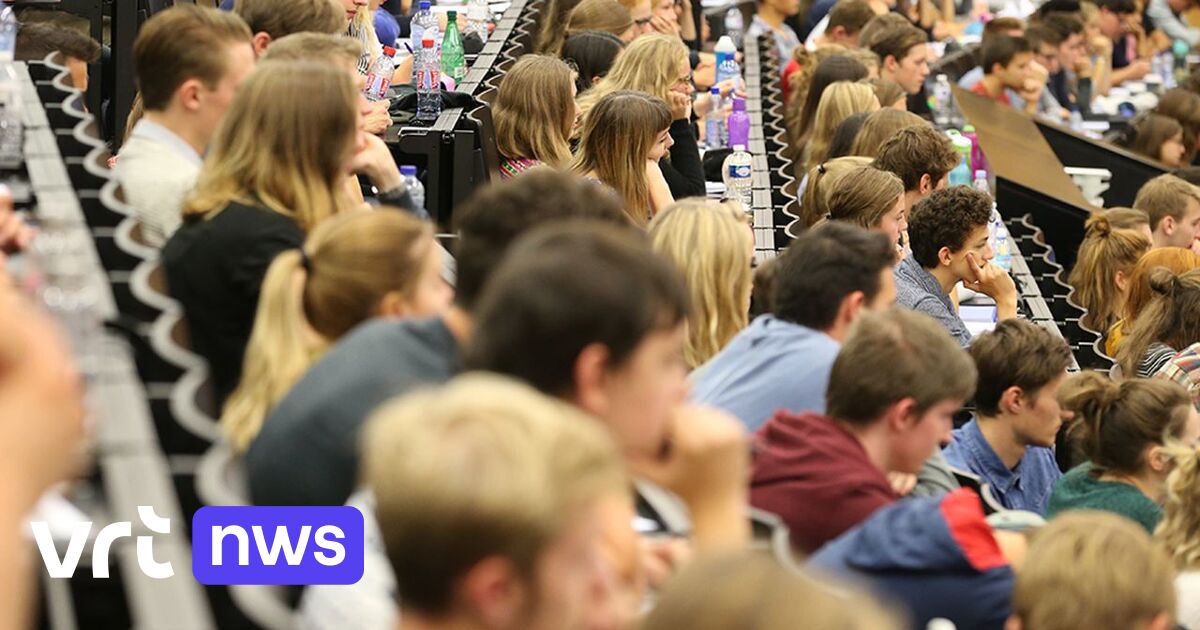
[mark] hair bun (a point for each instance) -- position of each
(1164, 281)
(1099, 224)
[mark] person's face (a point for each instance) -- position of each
(887, 292)
(920, 436)
(1014, 74)
(578, 111)
(79, 73)
(1111, 24)
(569, 574)
(665, 9)
(977, 244)
(641, 14)
(1171, 152)
(643, 391)
(351, 7)
(683, 84)
(213, 103)
(432, 295)
(662, 143)
(1043, 416)
(911, 71)
(1047, 55)
(1071, 50)
(893, 222)
(785, 7)
(1185, 229)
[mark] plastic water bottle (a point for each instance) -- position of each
(415, 189)
(981, 182)
(978, 159)
(715, 134)
(1179, 66)
(964, 146)
(738, 125)
(12, 127)
(477, 19)
(379, 77)
(1001, 248)
(734, 25)
(727, 65)
(454, 62)
(738, 173)
(429, 83)
(943, 106)
(424, 21)
(960, 175)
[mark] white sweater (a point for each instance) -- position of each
(1187, 589)
(157, 171)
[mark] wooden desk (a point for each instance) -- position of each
(1029, 176)
(1129, 170)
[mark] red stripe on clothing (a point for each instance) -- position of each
(964, 516)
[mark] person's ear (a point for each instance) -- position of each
(1013, 623)
(1121, 279)
(1167, 225)
(590, 371)
(850, 308)
(838, 33)
(1161, 621)
(945, 256)
(1013, 400)
(925, 186)
(1158, 459)
(188, 94)
(392, 305)
(890, 63)
(261, 41)
(494, 592)
(901, 415)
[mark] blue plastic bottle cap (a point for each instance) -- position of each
(408, 169)
(425, 5)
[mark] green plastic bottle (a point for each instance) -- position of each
(454, 63)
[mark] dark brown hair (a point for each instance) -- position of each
(851, 15)
(916, 151)
(897, 42)
(36, 40)
(946, 218)
(280, 18)
(1016, 353)
(183, 42)
(1001, 50)
(1153, 131)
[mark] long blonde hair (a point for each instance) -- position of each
(554, 16)
(1104, 253)
(607, 16)
(822, 180)
(282, 144)
(534, 94)
(707, 242)
(311, 298)
(617, 137)
(1179, 529)
(839, 101)
(650, 64)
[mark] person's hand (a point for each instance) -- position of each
(373, 159)
(1195, 247)
(662, 25)
(1083, 67)
(902, 483)
(1100, 46)
(681, 106)
(1038, 72)
(994, 282)
(15, 234)
(41, 402)
(1138, 69)
(376, 118)
(662, 558)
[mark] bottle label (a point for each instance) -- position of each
(739, 171)
(427, 79)
(377, 86)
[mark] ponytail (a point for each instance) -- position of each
(1172, 317)
(822, 179)
(280, 350)
(1105, 251)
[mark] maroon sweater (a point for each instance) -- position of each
(815, 475)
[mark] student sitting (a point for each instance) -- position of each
(769, 16)
(1125, 431)
(922, 157)
(352, 267)
(1175, 259)
(1009, 443)
(1169, 322)
(189, 62)
(1184, 107)
(1000, 26)
(1167, 16)
(37, 40)
(606, 16)
(1174, 209)
(658, 65)
(1093, 570)
(1103, 267)
(1070, 83)
(904, 56)
(948, 232)
(1114, 19)
(825, 473)
(823, 282)
(270, 20)
(712, 246)
(263, 187)
(879, 127)
(488, 495)
(801, 110)
(1176, 532)
(592, 55)
(820, 183)
(842, 25)
(725, 591)
(873, 199)
(1159, 138)
(624, 137)
(1006, 63)
(838, 101)
(938, 556)
(294, 461)
(537, 93)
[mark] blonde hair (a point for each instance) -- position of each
(1179, 529)
(879, 126)
(314, 47)
(838, 101)
(751, 590)
(607, 16)
(554, 16)
(1089, 569)
(533, 96)
(707, 242)
(617, 137)
(484, 462)
(864, 196)
(650, 64)
(1104, 253)
(1163, 196)
(1172, 318)
(348, 264)
(822, 180)
(362, 28)
(282, 144)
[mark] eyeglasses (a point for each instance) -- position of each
(643, 22)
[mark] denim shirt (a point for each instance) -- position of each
(1027, 486)
(918, 290)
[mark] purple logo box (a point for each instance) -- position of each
(277, 545)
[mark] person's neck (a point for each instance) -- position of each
(460, 323)
(911, 197)
(873, 441)
(181, 125)
(992, 85)
(1152, 488)
(838, 331)
(945, 278)
(1000, 436)
(1160, 239)
(773, 18)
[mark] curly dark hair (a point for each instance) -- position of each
(945, 219)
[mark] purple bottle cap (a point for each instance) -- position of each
(739, 104)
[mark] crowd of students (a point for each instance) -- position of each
(573, 429)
